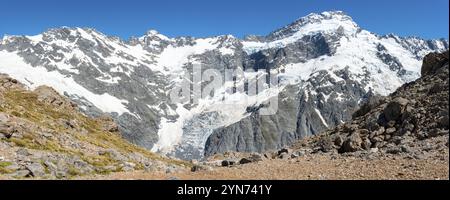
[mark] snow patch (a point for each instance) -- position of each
(33, 77)
(321, 118)
(173, 58)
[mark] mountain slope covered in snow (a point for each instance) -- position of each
(326, 65)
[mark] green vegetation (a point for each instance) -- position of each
(72, 171)
(3, 167)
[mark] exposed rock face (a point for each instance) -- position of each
(303, 110)
(322, 72)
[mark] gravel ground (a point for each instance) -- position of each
(314, 166)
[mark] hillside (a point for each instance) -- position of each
(44, 135)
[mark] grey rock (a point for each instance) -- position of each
(196, 168)
(390, 130)
(373, 150)
(394, 109)
(172, 169)
(255, 157)
(7, 130)
(444, 122)
(298, 153)
(21, 174)
(432, 62)
(36, 169)
(284, 150)
(394, 150)
(351, 144)
(50, 165)
(173, 178)
(284, 155)
(23, 152)
(128, 166)
(405, 149)
(60, 174)
(397, 140)
(245, 161)
(226, 163)
(325, 144)
(338, 141)
(13, 167)
(366, 144)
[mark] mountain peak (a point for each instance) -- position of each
(327, 15)
(316, 22)
(71, 33)
(154, 34)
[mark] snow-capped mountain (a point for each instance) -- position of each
(325, 65)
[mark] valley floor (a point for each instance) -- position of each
(313, 166)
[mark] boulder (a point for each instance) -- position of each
(36, 169)
(108, 124)
(443, 122)
(390, 130)
(351, 144)
(297, 154)
(245, 161)
(338, 140)
(284, 150)
(394, 109)
(433, 61)
(255, 157)
(21, 174)
(325, 144)
(371, 102)
(50, 96)
(197, 168)
(7, 130)
(283, 155)
(252, 158)
(226, 163)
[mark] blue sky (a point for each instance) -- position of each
(201, 18)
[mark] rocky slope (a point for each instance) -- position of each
(43, 135)
(409, 126)
(414, 120)
(317, 61)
